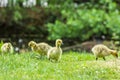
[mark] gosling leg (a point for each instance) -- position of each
(104, 58)
(96, 58)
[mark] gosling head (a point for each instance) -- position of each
(9, 45)
(32, 44)
(114, 53)
(59, 42)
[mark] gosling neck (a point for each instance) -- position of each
(57, 45)
(111, 51)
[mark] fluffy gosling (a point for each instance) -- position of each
(41, 48)
(101, 50)
(7, 48)
(55, 52)
(33, 45)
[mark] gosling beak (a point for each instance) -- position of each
(62, 43)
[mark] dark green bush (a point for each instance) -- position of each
(72, 19)
(86, 22)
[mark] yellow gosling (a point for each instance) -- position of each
(33, 45)
(7, 48)
(41, 48)
(101, 50)
(55, 53)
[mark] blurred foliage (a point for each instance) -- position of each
(1, 43)
(71, 19)
(87, 20)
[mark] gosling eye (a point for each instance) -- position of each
(59, 41)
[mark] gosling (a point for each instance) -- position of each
(41, 48)
(55, 53)
(33, 45)
(7, 48)
(101, 50)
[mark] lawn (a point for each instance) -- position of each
(73, 66)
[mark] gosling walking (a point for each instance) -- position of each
(101, 50)
(40, 48)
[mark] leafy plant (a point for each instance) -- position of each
(1, 43)
(83, 22)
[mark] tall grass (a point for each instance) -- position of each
(73, 66)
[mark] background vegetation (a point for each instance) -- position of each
(78, 20)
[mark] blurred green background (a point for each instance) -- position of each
(74, 21)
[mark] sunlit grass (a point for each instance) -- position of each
(73, 66)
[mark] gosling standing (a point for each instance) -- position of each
(41, 48)
(55, 52)
(7, 48)
(33, 45)
(101, 50)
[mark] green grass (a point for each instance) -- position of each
(73, 66)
